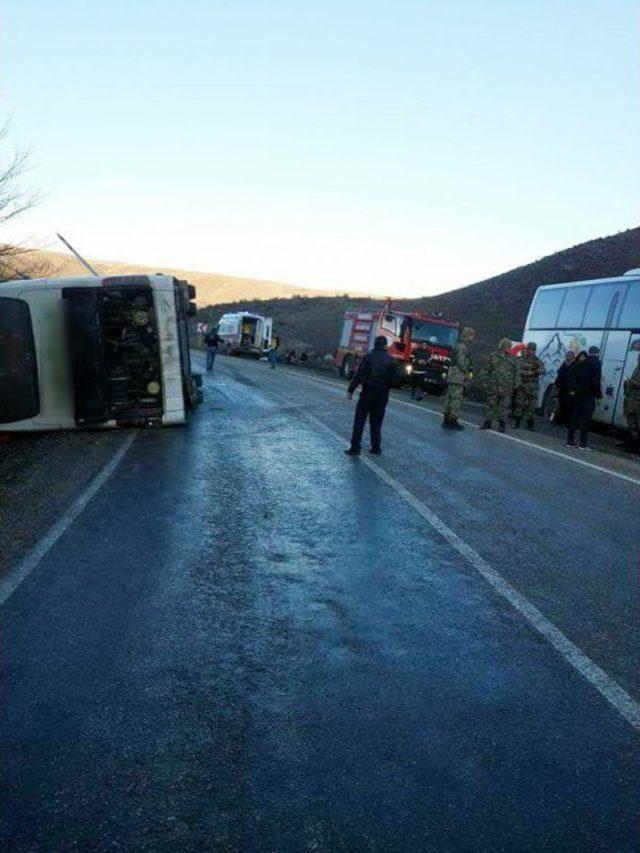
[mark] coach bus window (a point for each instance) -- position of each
(630, 316)
(573, 307)
(545, 308)
(18, 369)
(434, 333)
(603, 304)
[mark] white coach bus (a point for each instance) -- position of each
(95, 352)
(604, 312)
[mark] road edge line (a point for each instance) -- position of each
(9, 584)
(608, 688)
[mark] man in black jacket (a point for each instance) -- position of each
(376, 374)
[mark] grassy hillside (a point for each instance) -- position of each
(211, 288)
(495, 307)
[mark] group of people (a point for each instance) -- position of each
(511, 385)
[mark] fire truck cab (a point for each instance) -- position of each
(406, 332)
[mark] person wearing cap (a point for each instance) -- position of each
(501, 378)
(376, 374)
(459, 377)
(526, 399)
(583, 387)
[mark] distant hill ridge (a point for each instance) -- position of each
(495, 307)
(211, 288)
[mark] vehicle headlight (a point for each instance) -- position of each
(408, 368)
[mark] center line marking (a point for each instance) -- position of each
(617, 697)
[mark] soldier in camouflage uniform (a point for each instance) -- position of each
(502, 378)
(632, 407)
(526, 400)
(460, 376)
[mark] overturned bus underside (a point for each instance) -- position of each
(96, 352)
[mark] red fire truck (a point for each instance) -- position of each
(405, 331)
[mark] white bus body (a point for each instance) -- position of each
(95, 352)
(601, 312)
(244, 333)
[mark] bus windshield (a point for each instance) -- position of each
(18, 369)
(433, 333)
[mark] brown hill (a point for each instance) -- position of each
(211, 288)
(495, 307)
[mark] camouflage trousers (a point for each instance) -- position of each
(453, 400)
(526, 401)
(498, 405)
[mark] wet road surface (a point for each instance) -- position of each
(247, 641)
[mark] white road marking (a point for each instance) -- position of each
(9, 584)
(341, 389)
(617, 697)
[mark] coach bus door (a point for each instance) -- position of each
(615, 346)
(630, 364)
(84, 327)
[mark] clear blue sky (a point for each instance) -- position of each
(405, 147)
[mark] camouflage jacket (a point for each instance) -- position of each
(530, 368)
(502, 373)
(461, 367)
(632, 392)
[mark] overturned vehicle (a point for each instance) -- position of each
(96, 352)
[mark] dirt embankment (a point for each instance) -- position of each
(40, 475)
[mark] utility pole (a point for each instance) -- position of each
(84, 263)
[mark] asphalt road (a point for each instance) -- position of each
(248, 641)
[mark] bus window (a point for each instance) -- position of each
(573, 307)
(19, 398)
(545, 308)
(630, 316)
(603, 304)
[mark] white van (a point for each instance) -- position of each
(245, 333)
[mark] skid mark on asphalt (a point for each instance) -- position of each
(617, 697)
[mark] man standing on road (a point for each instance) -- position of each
(459, 377)
(562, 412)
(502, 378)
(526, 403)
(419, 363)
(211, 342)
(376, 373)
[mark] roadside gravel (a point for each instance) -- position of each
(40, 475)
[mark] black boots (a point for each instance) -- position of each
(501, 426)
(516, 423)
(449, 422)
(530, 424)
(486, 425)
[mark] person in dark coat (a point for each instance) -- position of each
(419, 364)
(376, 373)
(583, 388)
(562, 412)
(211, 341)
